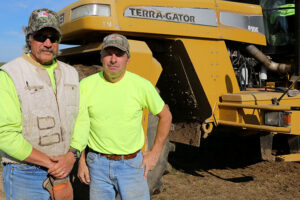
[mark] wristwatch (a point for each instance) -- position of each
(76, 152)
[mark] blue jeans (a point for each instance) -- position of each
(24, 182)
(122, 176)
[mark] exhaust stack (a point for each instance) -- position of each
(269, 65)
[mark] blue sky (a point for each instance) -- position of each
(14, 15)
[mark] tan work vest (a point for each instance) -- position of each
(47, 118)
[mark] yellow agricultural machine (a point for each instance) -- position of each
(208, 58)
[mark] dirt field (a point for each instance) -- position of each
(263, 180)
(226, 167)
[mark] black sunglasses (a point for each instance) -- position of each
(40, 37)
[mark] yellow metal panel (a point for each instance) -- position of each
(251, 96)
(81, 49)
(289, 158)
(244, 116)
(258, 101)
(81, 28)
(213, 67)
(262, 107)
(293, 101)
(142, 62)
(241, 35)
(236, 34)
(239, 7)
(257, 127)
(145, 26)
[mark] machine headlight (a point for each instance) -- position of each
(91, 10)
(278, 118)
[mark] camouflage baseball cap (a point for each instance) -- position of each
(43, 18)
(118, 41)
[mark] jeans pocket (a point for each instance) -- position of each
(90, 157)
(135, 162)
(27, 169)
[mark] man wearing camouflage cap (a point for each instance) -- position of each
(39, 105)
(115, 99)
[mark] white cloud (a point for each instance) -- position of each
(21, 4)
(15, 33)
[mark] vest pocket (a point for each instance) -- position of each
(45, 122)
(49, 139)
(37, 94)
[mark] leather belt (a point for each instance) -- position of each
(116, 157)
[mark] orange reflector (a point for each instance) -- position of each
(287, 118)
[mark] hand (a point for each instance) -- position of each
(63, 165)
(83, 172)
(149, 161)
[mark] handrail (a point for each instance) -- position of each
(262, 107)
(257, 127)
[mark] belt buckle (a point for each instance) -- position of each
(114, 157)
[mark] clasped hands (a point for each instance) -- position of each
(61, 166)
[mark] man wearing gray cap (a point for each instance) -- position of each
(39, 105)
(115, 99)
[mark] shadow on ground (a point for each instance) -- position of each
(223, 149)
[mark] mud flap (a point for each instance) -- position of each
(266, 143)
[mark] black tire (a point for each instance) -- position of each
(154, 176)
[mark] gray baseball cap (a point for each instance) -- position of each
(118, 41)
